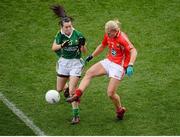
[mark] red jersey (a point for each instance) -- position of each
(119, 48)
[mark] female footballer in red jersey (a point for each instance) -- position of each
(120, 59)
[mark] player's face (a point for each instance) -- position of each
(67, 28)
(112, 33)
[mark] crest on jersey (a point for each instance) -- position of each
(113, 52)
(76, 42)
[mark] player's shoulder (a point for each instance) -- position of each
(58, 33)
(124, 39)
(122, 36)
(77, 32)
(105, 35)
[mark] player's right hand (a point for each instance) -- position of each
(90, 57)
(64, 44)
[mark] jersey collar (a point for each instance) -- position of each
(118, 34)
(67, 35)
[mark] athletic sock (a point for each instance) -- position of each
(78, 92)
(118, 109)
(76, 112)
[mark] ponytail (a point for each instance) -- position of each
(61, 14)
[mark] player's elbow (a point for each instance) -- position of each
(84, 49)
(90, 73)
(134, 52)
(53, 48)
(100, 48)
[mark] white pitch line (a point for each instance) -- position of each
(21, 115)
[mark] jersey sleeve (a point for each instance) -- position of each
(57, 39)
(104, 41)
(80, 35)
(127, 48)
(127, 39)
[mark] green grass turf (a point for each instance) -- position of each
(11, 125)
(27, 66)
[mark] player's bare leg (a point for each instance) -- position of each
(95, 70)
(111, 91)
(61, 82)
(73, 81)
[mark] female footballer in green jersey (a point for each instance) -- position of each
(68, 44)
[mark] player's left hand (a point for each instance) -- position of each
(129, 70)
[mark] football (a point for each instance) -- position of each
(52, 96)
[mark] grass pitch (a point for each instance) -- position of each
(27, 67)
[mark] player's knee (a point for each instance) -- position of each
(71, 92)
(59, 90)
(89, 74)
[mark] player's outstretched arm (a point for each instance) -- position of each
(97, 51)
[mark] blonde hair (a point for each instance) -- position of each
(112, 25)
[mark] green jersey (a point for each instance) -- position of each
(72, 51)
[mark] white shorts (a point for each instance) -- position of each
(69, 67)
(113, 70)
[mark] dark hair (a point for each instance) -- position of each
(61, 14)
